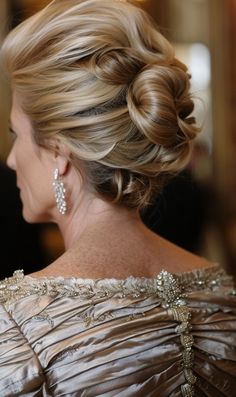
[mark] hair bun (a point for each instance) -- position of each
(159, 104)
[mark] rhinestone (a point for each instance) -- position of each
(13, 287)
(180, 302)
(200, 282)
(213, 282)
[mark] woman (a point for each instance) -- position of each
(101, 115)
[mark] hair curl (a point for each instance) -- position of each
(99, 76)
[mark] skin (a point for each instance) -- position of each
(29, 161)
(102, 240)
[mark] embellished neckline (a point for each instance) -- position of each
(166, 286)
(189, 274)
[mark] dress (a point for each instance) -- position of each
(173, 335)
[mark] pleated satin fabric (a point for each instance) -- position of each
(90, 338)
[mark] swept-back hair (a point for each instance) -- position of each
(99, 76)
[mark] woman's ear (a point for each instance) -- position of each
(62, 157)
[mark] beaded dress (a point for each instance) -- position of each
(173, 335)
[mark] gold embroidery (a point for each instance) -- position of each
(19, 286)
(187, 390)
(135, 316)
(173, 299)
(199, 279)
(89, 318)
(44, 316)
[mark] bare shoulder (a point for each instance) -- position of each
(176, 259)
(122, 253)
(138, 262)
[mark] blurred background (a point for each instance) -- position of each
(198, 209)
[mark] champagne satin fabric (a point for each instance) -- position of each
(74, 337)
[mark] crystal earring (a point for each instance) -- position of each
(59, 192)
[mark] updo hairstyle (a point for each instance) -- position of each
(100, 77)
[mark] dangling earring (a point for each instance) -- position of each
(59, 192)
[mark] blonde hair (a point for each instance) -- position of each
(99, 76)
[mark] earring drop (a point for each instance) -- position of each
(59, 192)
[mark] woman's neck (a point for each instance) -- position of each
(91, 217)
